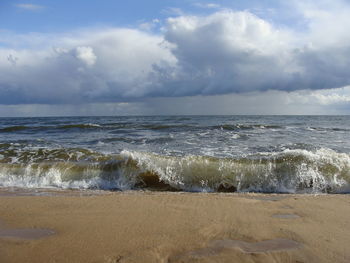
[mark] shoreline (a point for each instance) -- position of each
(145, 226)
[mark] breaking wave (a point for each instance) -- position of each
(289, 171)
(14, 129)
(129, 125)
(246, 127)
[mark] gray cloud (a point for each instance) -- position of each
(105, 65)
(238, 52)
(330, 101)
(222, 53)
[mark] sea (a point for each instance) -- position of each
(269, 154)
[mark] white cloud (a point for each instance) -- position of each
(30, 7)
(87, 66)
(148, 26)
(207, 5)
(222, 53)
(173, 11)
(331, 96)
(326, 22)
(86, 54)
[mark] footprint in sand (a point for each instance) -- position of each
(287, 207)
(24, 233)
(217, 246)
(267, 198)
(286, 216)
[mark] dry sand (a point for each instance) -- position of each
(174, 227)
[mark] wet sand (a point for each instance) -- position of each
(173, 227)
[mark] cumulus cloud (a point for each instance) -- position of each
(86, 54)
(148, 26)
(101, 65)
(221, 53)
(229, 52)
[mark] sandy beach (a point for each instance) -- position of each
(139, 226)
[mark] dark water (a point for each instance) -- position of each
(192, 153)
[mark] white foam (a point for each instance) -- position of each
(287, 171)
(271, 175)
(29, 177)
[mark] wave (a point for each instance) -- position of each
(117, 127)
(234, 127)
(325, 129)
(289, 171)
(142, 140)
(92, 126)
(13, 128)
(130, 125)
(164, 126)
(80, 126)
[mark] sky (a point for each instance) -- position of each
(83, 57)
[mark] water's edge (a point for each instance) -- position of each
(289, 171)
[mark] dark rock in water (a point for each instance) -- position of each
(151, 181)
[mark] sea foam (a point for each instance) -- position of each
(288, 171)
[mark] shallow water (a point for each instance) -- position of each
(289, 154)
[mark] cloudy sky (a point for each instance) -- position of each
(109, 57)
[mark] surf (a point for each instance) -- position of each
(288, 171)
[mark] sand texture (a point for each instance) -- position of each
(174, 227)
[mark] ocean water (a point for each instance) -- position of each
(281, 154)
